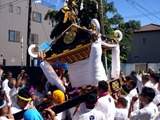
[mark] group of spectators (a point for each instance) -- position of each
(138, 97)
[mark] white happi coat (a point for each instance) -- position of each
(146, 113)
(156, 100)
(89, 114)
(97, 71)
(121, 114)
(106, 105)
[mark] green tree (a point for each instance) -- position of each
(116, 21)
(128, 31)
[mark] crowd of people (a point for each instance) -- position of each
(138, 97)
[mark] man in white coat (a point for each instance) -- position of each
(105, 102)
(149, 110)
(156, 100)
(89, 113)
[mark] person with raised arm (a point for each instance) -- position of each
(49, 72)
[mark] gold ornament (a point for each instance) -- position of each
(73, 4)
(65, 9)
(69, 37)
(36, 49)
(93, 26)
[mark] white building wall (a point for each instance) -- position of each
(11, 51)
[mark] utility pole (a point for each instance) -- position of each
(21, 52)
(100, 9)
(29, 31)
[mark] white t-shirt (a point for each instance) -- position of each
(128, 102)
(5, 86)
(89, 114)
(106, 105)
(121, 114)
(133, 93)
(148, 84)
(4, 118)
(7, 89)
(155, 87)
(13, 92)
(156, 101)
(61, 116)
(146, 113)
(15, 108)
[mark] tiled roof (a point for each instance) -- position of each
(149, 27)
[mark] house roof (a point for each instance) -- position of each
(149, 27)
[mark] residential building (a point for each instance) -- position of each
(145, 45)
(14, 25)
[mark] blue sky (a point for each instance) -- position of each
(146, 11)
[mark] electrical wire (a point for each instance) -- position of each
(13, 3)
(158, 2)
(155, 3)
(149, 5)
(147, 10)
(9, 3)
(132, 4)
(140, 15)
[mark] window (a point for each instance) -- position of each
(13, 59)
(34, 39)
(136, 57)
(37, 17)
(10, 7)
(18, 10)
(14, 36)
(143, 40)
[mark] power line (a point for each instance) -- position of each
(13, 2)
(9, 3)
(147, 10)
(148, 5)
(132, 2)
(155, 3)
(140, 15)
(158, 2)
